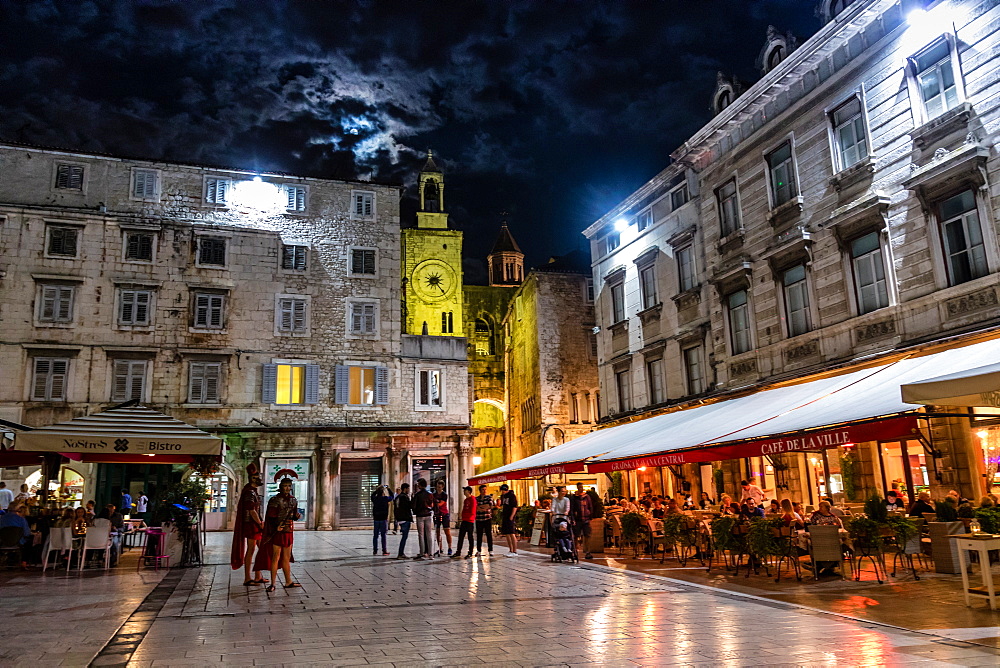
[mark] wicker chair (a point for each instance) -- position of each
(825, 547)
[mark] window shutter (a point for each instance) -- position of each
(211, 189)
(57, 387)
(128, 307)
(285, 315)
(222, 191)
(357, 262)
(141, 308)
(298, 315)
(196, 382)
(312, 384)
(288, 257)
(137, 377)
(381, 385)
(216, 311)
(269, 384)
(42, 368)
(50, 295)
(357, 318)
(65, 312)
(120, 382)
(201, 310)
(369, 262)
(213, 378)
(342, 384)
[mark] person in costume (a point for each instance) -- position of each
(249, 527)
(276, 547)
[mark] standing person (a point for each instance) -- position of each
(381, 498)
(126, 502)
(423, 508)
(752, 492)
(484, 520)
(24, 497)
(249, 527)
(142, 506)
(442, 515)
(583, 512)
(468, 523)
(6, 496)
(508, 511)
(276, 548)
(404, 516)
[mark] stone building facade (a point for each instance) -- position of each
(842, 208)
(262, 307)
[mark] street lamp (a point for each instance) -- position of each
(477, 460)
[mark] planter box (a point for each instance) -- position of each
(942, 551)
(596, 542)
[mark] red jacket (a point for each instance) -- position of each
(469, 509)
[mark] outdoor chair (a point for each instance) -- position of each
(10, 543)
(867, 547)
(905, 553)
(657, 539)
(154, 549)
(742, 550)
(98, 539)
(687, 545)
(60, 540)
(824, 545)
(614, 525)
(787, 551)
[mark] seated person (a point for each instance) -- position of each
(65, 520)
(705, 502)
(789, 517)
(658, 511)
(14, 517)
(750, 510)
(921, 505)
(110, 513)
(774, 508)
(825, 516)
(893, 503)
(986, 502)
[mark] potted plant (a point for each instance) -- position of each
(762, 539)
(947, 524)
(630, 527)
(524, 520)
(966, 514)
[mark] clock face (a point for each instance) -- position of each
(433, 280)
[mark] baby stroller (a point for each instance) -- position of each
(561, 540)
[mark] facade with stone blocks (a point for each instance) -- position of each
(842, 208)
(262, 307)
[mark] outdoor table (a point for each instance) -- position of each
(981, 544)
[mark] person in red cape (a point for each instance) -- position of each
(276, 547)
(249, 527)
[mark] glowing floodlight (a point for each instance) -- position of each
(642, 468)
(258, 195)
(621, 225)
(477, 460)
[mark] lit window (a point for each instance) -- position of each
(63, 240)
(139, 246)
(428, 388)
(935, 78)
(296, 198)
(685, 268)
(209, 310)
(69, 177)
(796, 300)
(647, 284)
(693, 370)
(49, 379)
(617, 302)
(212, 251)
(739, 321)
(654, 378)
(624, 390)
(144, 183)
(363, 261)
(129, 379)
(204, 381)
(782, 173)
(291, 384)
(294, 257)
(362, 387)
(851, 145)
(56, 303)
(217, 191)
(870, 285)
(965, 253)
(292, 315)
(729, 210)
(364, 205)
(134, 307)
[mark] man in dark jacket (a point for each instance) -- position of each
(423, 509)
(404, 516)
(380, 516)
(583, 512)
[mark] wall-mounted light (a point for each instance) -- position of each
(621, 224)
(477, 460)
(641, 468)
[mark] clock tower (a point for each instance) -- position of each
(432, 263)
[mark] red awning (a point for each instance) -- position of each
(557, 469)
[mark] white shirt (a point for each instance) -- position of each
(560, 507)
(753, 492)
(140, 504)
(6, 496)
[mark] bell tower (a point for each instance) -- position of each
(432, 263)
(505, 261)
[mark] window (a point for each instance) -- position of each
(484, 338)
(644, 220)
(217, 191)
(870, 287)
(290, 384)
(139, 246)
(447, 322)
(729, 209)
(292, 315)
(849, 136)
(935, 78)
(574, 408)
(739, 321)
(617, 302)
(362, 385)
(363, 261)
(296, 198)
(782, 175)
(364, 205)
(362, 317)
(212, 251)
(965, 254)
(129, 379)
(593, 345)
(678, 197)
(428, 388)
(208, 310)
(796, 292)
(589, 290)
(654, 379)
(49, 380)
(56, 303)
(611, 242)
(294, 257)
(204, 381)
(647, 285)
(685, 268)
(145, 183)
(694, 372)
(624, 391)
(62, 240)
(69, 177)
(585, 408)
(134, 307)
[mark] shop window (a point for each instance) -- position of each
(904, 468)
(870, 286)
(796, 293)
(290, 384)
(962, 236)
(362, 385)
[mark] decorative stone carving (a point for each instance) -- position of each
(874, 331)
(801, 352)
(976, 301)
(743, 367)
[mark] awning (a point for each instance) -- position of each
(971, 387)
(858, 406)
(122, 434)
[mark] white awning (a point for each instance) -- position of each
(972, 387)
(120, 433)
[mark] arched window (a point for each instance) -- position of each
(775, 57)
(484, 338)
(432, 197)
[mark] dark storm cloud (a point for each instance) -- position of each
(550, 110)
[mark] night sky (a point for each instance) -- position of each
(551, 111)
